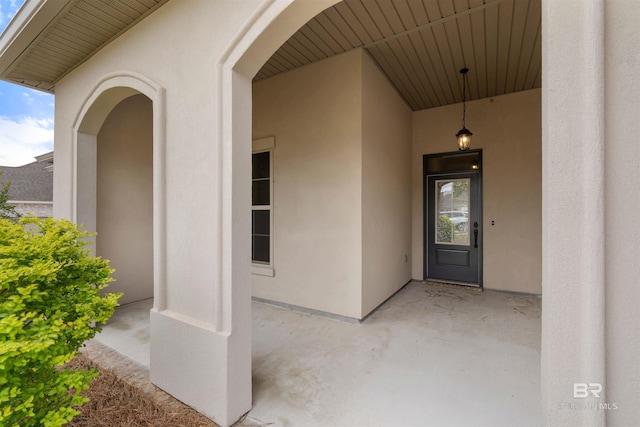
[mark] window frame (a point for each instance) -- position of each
(263, 145)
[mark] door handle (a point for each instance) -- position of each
(475, 234)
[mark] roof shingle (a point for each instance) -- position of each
(31, 182)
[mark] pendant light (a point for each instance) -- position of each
(464, 135)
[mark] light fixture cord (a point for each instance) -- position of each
(464, 98)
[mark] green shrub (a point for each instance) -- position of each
(50, 304)
(445, 229)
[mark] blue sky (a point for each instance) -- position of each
(26, 115)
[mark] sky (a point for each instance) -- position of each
(26, 115)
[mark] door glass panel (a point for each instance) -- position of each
(452, 211)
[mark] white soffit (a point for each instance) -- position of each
(49, 38)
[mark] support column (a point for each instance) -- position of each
(573, 277)
(622, 200)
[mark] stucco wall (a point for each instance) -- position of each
(125, 197)
(386, 188)
(508, 130)
(342, 185)
(314, 112)
(151, 49)
(622, 272)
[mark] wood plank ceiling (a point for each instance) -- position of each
(79, 31)
(421, 45)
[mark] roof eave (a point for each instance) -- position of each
(28, 23)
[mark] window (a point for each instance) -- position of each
(262, 207)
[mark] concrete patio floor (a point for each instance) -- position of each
(429, 356)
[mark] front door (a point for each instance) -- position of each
(453, 227)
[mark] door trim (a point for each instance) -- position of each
(425, 202)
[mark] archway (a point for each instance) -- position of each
(237, 75)
(118, 167)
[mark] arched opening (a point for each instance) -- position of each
(117, 145)
(124, 197)
(241, 74)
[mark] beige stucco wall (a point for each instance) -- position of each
(125, 197)
(386, 188)
(342, 185)
(508, 130)
(151, 49)
(622, 273)
(314, 112)
(591, 273)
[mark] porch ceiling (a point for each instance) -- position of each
(421, 45)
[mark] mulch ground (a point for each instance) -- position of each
(114, 402)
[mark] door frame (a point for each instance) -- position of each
(425, 207)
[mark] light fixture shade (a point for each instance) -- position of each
(464, 139)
